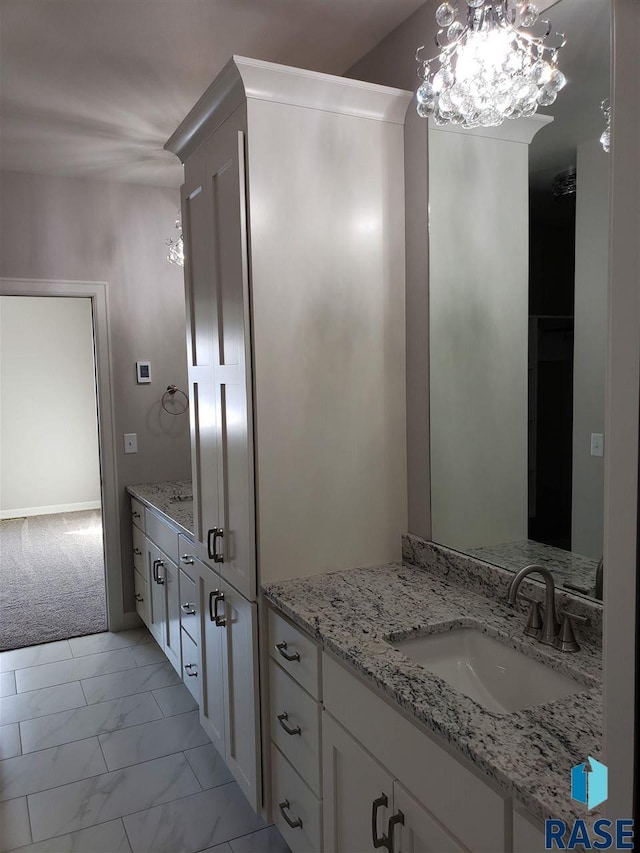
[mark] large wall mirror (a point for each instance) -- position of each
(518, 235)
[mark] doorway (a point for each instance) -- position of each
(52, 579)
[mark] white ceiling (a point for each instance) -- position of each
(94, 88)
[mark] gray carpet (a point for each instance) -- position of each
(51, 578)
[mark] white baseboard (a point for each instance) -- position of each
(48, 510)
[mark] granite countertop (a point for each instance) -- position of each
(529, 753)
(173, 500)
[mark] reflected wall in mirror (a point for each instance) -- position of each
(518, 234)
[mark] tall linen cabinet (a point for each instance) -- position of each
(293, 221)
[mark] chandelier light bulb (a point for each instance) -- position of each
(491, 67)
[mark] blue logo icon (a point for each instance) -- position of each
(589, 783)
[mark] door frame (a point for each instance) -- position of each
(97, 292)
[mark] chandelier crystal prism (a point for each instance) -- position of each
(502, 62)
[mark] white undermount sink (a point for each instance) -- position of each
(496, 676)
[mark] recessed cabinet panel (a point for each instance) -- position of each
(358, 793)
(205, 458)
(419, 832)
(212, 709)
(172, 639)
(238, 543)
(199, 287)
(242, 700)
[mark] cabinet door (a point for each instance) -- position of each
(225, 179)
(158, 608)
(415, 830)
(242, 696)
(170, 573)
(202, 347)
(212, 645)
(357, 791)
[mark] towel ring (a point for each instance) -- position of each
(169, 394)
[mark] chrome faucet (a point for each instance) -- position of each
(548, 631)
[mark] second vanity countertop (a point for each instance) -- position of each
(528, 753)
(173, 500)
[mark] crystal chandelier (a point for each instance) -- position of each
(491, 66)
(605, 138)
(175, 254)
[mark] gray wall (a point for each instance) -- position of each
(590, 346)
(392, 63)
(75, 229)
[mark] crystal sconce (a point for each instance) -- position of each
(175, 254)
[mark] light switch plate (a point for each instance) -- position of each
(597, 444)
(130, 442)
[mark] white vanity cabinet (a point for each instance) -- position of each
(384, 782)
(223, 645)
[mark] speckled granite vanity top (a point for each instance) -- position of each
(173, 500)
(528, 753)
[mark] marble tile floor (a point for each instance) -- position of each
(101, 751)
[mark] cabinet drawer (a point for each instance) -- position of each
(139, 551)
(137, 514)
(303, 717)
(296, 653)
(405, 750)
(141, 588)
(162, 534)
(191, 666)
(189, 615)
(291, 797)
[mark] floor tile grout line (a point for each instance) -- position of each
(126, 834)
(71, 680)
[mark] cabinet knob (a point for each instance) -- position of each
(135, 514)
(137, 551)
(188, 608)
(187, 559)
(294, 824)
(189, 667)
(139, 597)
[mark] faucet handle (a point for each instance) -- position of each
(534, 618)
(566, 639)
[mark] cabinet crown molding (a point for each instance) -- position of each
(246, 79)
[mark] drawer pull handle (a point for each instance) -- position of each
(282, 648)
(187, 559)
(281, 719)
(139, 597)
(189, 667)
(156, 572)
(212, 539)
(381, 841)
(135, 514)
(215, 596)
(397, 818)
(138, 552)
(294, 824)
(188, 608)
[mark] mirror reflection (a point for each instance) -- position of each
(518, 234)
